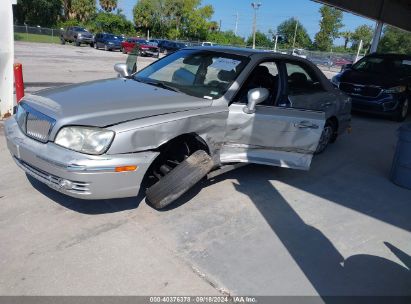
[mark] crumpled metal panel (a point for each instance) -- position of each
(152, 132)
(275, 136)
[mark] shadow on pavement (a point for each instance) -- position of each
(320, 261)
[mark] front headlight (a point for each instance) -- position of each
(87, 140)
(79, 35)
(398, 89)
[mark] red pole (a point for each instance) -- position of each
(18, 81)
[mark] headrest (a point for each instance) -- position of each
(298, 78)
(226, 76)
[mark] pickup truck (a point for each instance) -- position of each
(164, 128)
(77, 35)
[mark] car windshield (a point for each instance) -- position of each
(112, 37)
(381, 65)
(201, 74)
(80, 29)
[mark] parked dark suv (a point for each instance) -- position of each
(109, 42)
(78, 35)
(168, 47)
(378, 83)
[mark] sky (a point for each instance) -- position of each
(269, 16)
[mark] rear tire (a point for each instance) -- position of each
(328, 136)
(96, 46)
(78, 43)
(92, 44)
(62, 41)
(106, 47)
(180, 179)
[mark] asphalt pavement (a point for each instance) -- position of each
(341, 228)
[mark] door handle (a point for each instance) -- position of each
(305, 124)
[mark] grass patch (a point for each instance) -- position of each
(36, 38)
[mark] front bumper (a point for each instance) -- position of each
(384, 104)
(76, 174)
(150, 53)
(85, 40)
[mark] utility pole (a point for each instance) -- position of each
(295, 31)
(236, 24)
(219, 28)
(275, 43)
(255, 6)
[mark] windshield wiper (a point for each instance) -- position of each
(163, 86)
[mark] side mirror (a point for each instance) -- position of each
(255, 96)
(121, 69)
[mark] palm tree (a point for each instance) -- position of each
(347, 35)
(108, 5)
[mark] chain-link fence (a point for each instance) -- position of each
(36, 34)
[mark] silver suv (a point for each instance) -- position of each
(170, 124)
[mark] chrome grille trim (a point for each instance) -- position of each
(34, 123)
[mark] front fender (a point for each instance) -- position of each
(150, 133)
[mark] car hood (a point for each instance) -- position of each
(363, 78)
(111, 101)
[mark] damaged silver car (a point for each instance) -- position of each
(169, 125)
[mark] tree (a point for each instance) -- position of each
(261, 40)
(395, 40)
(287, 29)
(347, 37)
(225, 38)
(108, 5)
(83, 10)
(37, 12)
(174, 18)
(364, 33)
(330, 25)
(112, 23)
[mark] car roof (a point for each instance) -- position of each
(242, 51)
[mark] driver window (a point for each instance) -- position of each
(265, 75)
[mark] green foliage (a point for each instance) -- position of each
(395, 40)
(330, 24)
(83, 10)
(174, 18)
(111, 23)
(287, 29)
(347, 37)
(364, 33)
(261, 40)
(37, 12)
(108, 5)
(226, 38)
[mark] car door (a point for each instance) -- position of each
(271, 135)
(304, 89)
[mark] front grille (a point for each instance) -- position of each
(33, 123)
(360, 90)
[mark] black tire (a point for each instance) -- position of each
(92, 44)
(106, 47)
(123, 50)
(78, 43)
(62, 41)
(179, 180)
(95, 45)
(329, 135)
(402, 112)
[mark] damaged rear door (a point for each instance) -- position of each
(283, 137)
